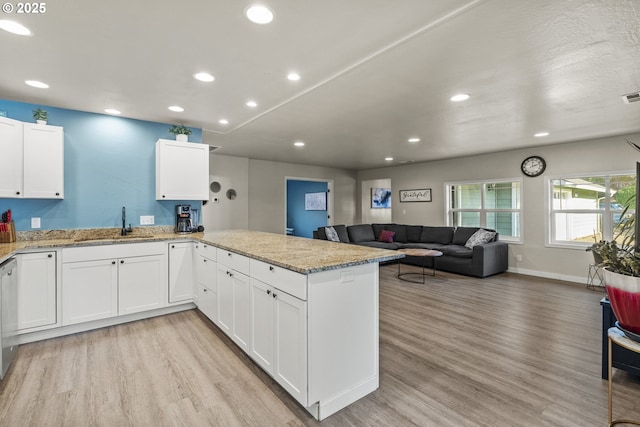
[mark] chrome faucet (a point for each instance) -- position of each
(125, 230)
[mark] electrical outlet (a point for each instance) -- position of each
(519, 258)
(147, 220)
(35, 222)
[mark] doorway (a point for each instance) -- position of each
(308, 205)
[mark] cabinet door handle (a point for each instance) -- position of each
(204, 260)
(275, 295)
(121, 261)
(228, 253)
(271, 268)
(113, 262)
(268, 291)
(204, 246)
(204, 289)
(57, 194)
(50, 256)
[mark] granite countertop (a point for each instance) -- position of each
(298, 254)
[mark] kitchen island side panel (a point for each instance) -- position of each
(343, 336)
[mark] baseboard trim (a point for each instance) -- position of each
(548, 275)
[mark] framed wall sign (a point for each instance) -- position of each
(380, 197)
(422, 195)
(315, 201)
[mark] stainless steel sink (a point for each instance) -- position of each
(114, 238)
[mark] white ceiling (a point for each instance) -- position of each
(374, 72)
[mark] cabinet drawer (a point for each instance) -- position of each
(286, 280)
(108, 251)
(233, 260)
(206, 250)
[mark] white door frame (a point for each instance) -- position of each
(329, 197)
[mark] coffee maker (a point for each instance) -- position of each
(183, 219)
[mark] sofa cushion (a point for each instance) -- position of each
(386, 236)
(413, 233)
(332, 234)
(442, 235)
(377, 229)
(380, 245)
(435, 246)
(457, 251)
(322, 234)
(462, 234)
(399, 230)
(342, 233)
(361, 233)
(480, 237)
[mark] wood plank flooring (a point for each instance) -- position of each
(508, 350)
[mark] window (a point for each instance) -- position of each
(490, 204)
(587, 209)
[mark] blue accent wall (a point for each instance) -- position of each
(109, 163)
(304, 222)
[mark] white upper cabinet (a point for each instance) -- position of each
(43, 162)
(33, 160)
(11, 166)
(182, 170)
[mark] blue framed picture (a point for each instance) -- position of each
(381, 198)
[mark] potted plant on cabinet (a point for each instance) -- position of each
(40, 116)
(181, 132)
(621, 264)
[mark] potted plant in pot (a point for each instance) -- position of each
(40, 116)
(181, 132)
(621, 262)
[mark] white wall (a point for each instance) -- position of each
(592, 156)
(232, 173)
(267, 192)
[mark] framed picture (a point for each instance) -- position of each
(315, 201)
(380, 197)
(422, 195)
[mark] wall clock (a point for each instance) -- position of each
(533, 166)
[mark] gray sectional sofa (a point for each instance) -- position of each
(479, 260)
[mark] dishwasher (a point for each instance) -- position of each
(8, 313)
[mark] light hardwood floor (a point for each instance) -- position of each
(508, 350)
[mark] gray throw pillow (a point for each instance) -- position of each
(332, 234)
(479, 237)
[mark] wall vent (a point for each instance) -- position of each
(631, 97)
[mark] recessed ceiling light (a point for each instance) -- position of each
(388, 159)
(259, 14)
(223, 121)
(13, 27)
(541, 134)
(299, 144)
(176, 108)
(252, 104)
(414, 139)
(36, 83)
(460, 97)
(112, 111)
(204, 77)
(293, 76)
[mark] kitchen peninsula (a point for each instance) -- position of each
(306, 311)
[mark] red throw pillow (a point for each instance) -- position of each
(387, 236)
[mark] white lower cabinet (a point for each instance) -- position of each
(89, 291)
(206, 294)
(99, 282)
(208, 303)
(37, 290)
(181, 272)
(142, 283)
(233, 305)
(279, 337)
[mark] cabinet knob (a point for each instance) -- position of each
(204, 260)
(204, 289)
(271, 268)
(121, 261)
(17, 192)
(57, 194)
(50, 256)
(173, 246)
(275, 295)
(228, 253)
(163, 196)
(204, 246)
(113, 262)
(268, 291)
